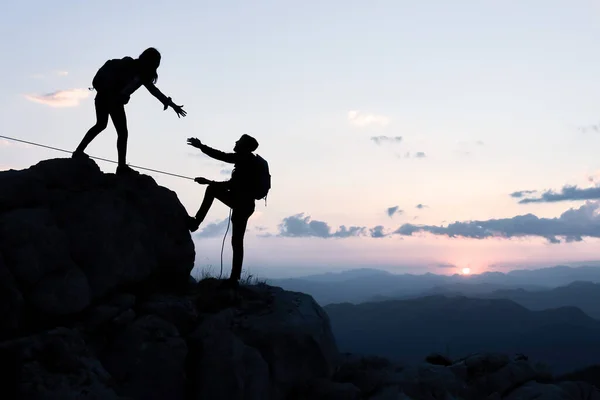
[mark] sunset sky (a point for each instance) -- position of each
(417, 137)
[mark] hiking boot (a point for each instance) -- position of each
(193, 224)
(126, 170)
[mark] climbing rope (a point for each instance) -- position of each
(223, 244)
(97, 158)
(144, 168)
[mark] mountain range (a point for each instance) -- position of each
(408, 330)
(360, 285)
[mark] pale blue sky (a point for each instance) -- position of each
(492, 93)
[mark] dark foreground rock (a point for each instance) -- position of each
(477, 377)
(262, 343)
(96, 303)
(70, 234)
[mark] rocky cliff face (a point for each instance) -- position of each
(96, 302)
(70, 234)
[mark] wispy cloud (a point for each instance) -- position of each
(572, 226)
(567, 193)
(9, 143)
(379, 140)
(466, 148)
(446, 266)
(61, 73)
(300, 225)
(418, 154)
(362, 119)
(378, 232)
(60, 98)
(214, 229)
(521, 193)
(593, 128)
(421, 206)
(391, 211)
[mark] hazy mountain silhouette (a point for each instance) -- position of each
(584, 295)
(360, 285)
(408, 330)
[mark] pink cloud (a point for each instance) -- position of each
(61, 98)
(8, 143)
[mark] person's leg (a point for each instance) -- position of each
(239, 222)
(102, 111)
(119, 119)
(212, 192)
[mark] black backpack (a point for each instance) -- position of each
(113, 75)
(262, 178)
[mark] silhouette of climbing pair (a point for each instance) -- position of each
(115, 82)
(250, 180)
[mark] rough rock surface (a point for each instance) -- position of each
(476, 377)
(70, 234)
(96, 303)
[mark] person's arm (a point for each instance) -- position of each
(204, 181)
(154, 91)
(166, 101)
(213, 153)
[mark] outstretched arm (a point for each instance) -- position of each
(204, 181)
(166, 101)
(213, 153)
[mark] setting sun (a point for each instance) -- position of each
(466, 271)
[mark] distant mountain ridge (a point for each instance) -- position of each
(360, 285)
(583, 295)
(407, 330)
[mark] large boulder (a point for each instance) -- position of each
(289, 326)
(224, 366)
(147, 360)
(70, 234)
(275, 338)
(53, 365)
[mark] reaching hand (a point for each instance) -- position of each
(202, 181)
(194, 142)
(179, 110)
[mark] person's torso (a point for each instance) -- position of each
(118, 75)
(242, 177)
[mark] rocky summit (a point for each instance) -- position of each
(97, 302)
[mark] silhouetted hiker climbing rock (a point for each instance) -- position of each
(250, 181)
(115, 82)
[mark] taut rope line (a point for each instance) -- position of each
(97, 158)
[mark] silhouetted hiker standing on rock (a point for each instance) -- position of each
(250, 181)
(115, 82)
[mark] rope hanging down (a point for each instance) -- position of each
(97, 158)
